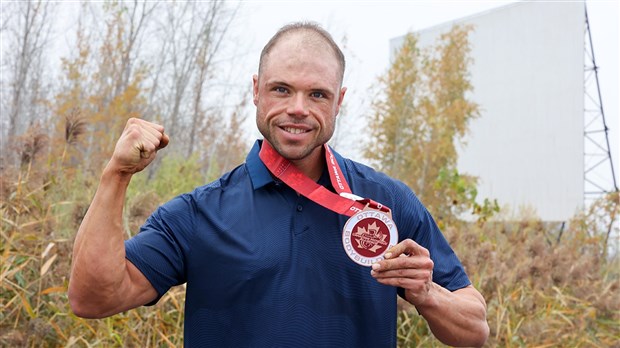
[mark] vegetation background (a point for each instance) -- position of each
(546, 284)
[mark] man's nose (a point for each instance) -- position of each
(298, 105)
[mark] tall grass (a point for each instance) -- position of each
(42, 204)
(545, 286)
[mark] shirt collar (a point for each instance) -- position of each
(260, 176)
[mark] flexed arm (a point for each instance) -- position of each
(102, 281)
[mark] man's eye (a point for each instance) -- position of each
(317, 95)
(280, 89)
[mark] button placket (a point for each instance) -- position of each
(299, 219)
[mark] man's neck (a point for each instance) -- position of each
(313, 165)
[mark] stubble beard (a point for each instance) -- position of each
(292, 152)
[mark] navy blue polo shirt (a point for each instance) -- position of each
(265, 267)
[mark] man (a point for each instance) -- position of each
(267, 253)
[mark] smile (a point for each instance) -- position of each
(294, 130)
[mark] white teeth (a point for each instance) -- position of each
(294, 130)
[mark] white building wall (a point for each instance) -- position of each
(527, 145)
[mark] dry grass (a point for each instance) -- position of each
(544, 287)
(33, 296)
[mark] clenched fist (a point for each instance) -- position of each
(137, 146)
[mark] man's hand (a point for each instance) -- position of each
(409, 266)
(456, 318)
(137, 146)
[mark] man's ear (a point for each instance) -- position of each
(255, 89)
(343, 90)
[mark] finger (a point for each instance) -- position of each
(152, 145)
(145, 123)
(152, 139)
(406, 247)
(146, 148)
(159, 138)
(163, 141)
(132, 121)
(403, 263)
(401, 273)
(405, 283)
(153, 128)
(412, 270)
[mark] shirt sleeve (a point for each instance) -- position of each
(415, 222)
(159, 250)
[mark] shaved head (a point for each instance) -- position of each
(309, 35)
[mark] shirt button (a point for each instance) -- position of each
(300, 208)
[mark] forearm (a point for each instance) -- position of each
(99, 264)
(456, 318)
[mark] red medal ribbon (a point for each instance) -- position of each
(284, 170)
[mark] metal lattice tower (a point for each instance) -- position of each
(597, 154)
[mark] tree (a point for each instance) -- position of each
(209, 40)
(192, 34)
(101, 84)
(421, 112)
(25, 27)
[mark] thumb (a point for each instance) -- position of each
(163, 142)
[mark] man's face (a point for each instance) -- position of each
(298, 96)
